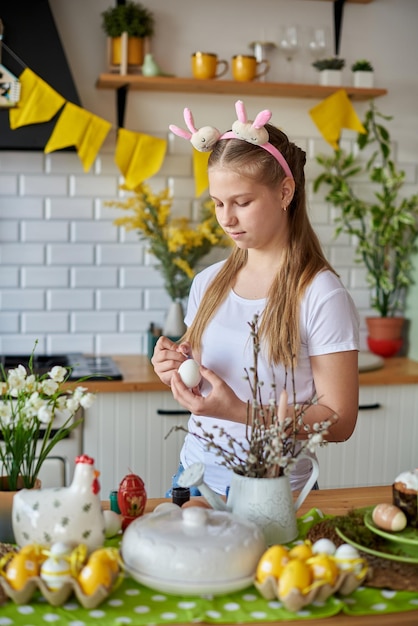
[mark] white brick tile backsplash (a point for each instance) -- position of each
(45, 322)
(20, 343)
(9, 276)
(19, 208)
(12, 161)
(96, 186)
(70, 254)
(45, 277)
(45, 231)
(8, 185)
(9, 323)
(22, 254)
(76, 282)
(70, 299)
(128, 254)
(69, 209)
(71, 342)
(93, 231)
(44, 185)
(94, 277)
(120, 299)
(119, 343)
(94, 322)
(23, 300)
(9, 230)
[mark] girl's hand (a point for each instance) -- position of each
(167, 358)
(221, 401)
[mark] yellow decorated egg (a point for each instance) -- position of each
(20, 569)
(272, 563)
(301, 551)
(106, 557)
(296, 575)
(324, 568)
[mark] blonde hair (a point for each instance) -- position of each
(302, 259)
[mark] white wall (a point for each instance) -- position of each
(67, 276)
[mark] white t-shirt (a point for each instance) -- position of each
(329, 323)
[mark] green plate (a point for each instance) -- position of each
(408, 536)
(391, 550)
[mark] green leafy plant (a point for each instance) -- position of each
(132, 18)
(29, 404)
(175, 242)
(333, 63)
(385, 227)
(362, 66)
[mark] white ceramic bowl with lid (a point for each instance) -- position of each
(192, 551)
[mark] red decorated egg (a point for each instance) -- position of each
(132, 498)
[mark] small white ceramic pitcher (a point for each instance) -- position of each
(266, 501)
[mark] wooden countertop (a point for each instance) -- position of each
(139, 375)
(337, 502)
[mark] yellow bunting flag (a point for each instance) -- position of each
(38, 101)
(77, 127)
(333, 114)
(200, 170)
(138, 156)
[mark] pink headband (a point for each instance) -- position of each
(204, 139)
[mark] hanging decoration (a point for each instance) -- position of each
(79, 128)
(38, 101)
(333, 114)
(138, 156)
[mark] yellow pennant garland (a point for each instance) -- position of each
(79, 128)
(333, 114)
(200, 170)
(38, 102)
(138, 156)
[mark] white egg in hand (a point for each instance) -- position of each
(189, 373)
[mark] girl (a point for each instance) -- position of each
(277, 271)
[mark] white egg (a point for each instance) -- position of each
(113, 523)
(348, 558)
(189, 373)
(324, 546)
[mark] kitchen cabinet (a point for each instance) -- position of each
(126, 433)
(383, 443)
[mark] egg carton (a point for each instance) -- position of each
(58, 597)
(346, 583)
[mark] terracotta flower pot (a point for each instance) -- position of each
(385, 335)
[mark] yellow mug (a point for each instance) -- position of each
(205, 65)
(245, 67)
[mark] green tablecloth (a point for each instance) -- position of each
(136, 605)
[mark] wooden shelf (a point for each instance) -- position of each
(191, 85)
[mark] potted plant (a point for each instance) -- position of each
(330, 70)
(131, 21)
(384, 223)
(29, 404)
(363, 74)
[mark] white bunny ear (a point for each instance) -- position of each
(188, 118)
(240, 110)
(262, 118)
(180, 132)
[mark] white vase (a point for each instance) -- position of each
(363, 80)
(174, 325)
(269, 503)
(331, 77)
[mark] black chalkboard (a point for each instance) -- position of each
(31, 33)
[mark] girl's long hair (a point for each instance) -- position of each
(303, 257)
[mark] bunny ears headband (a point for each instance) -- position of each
(204, 138)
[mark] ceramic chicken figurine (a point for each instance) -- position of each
(65, 514)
